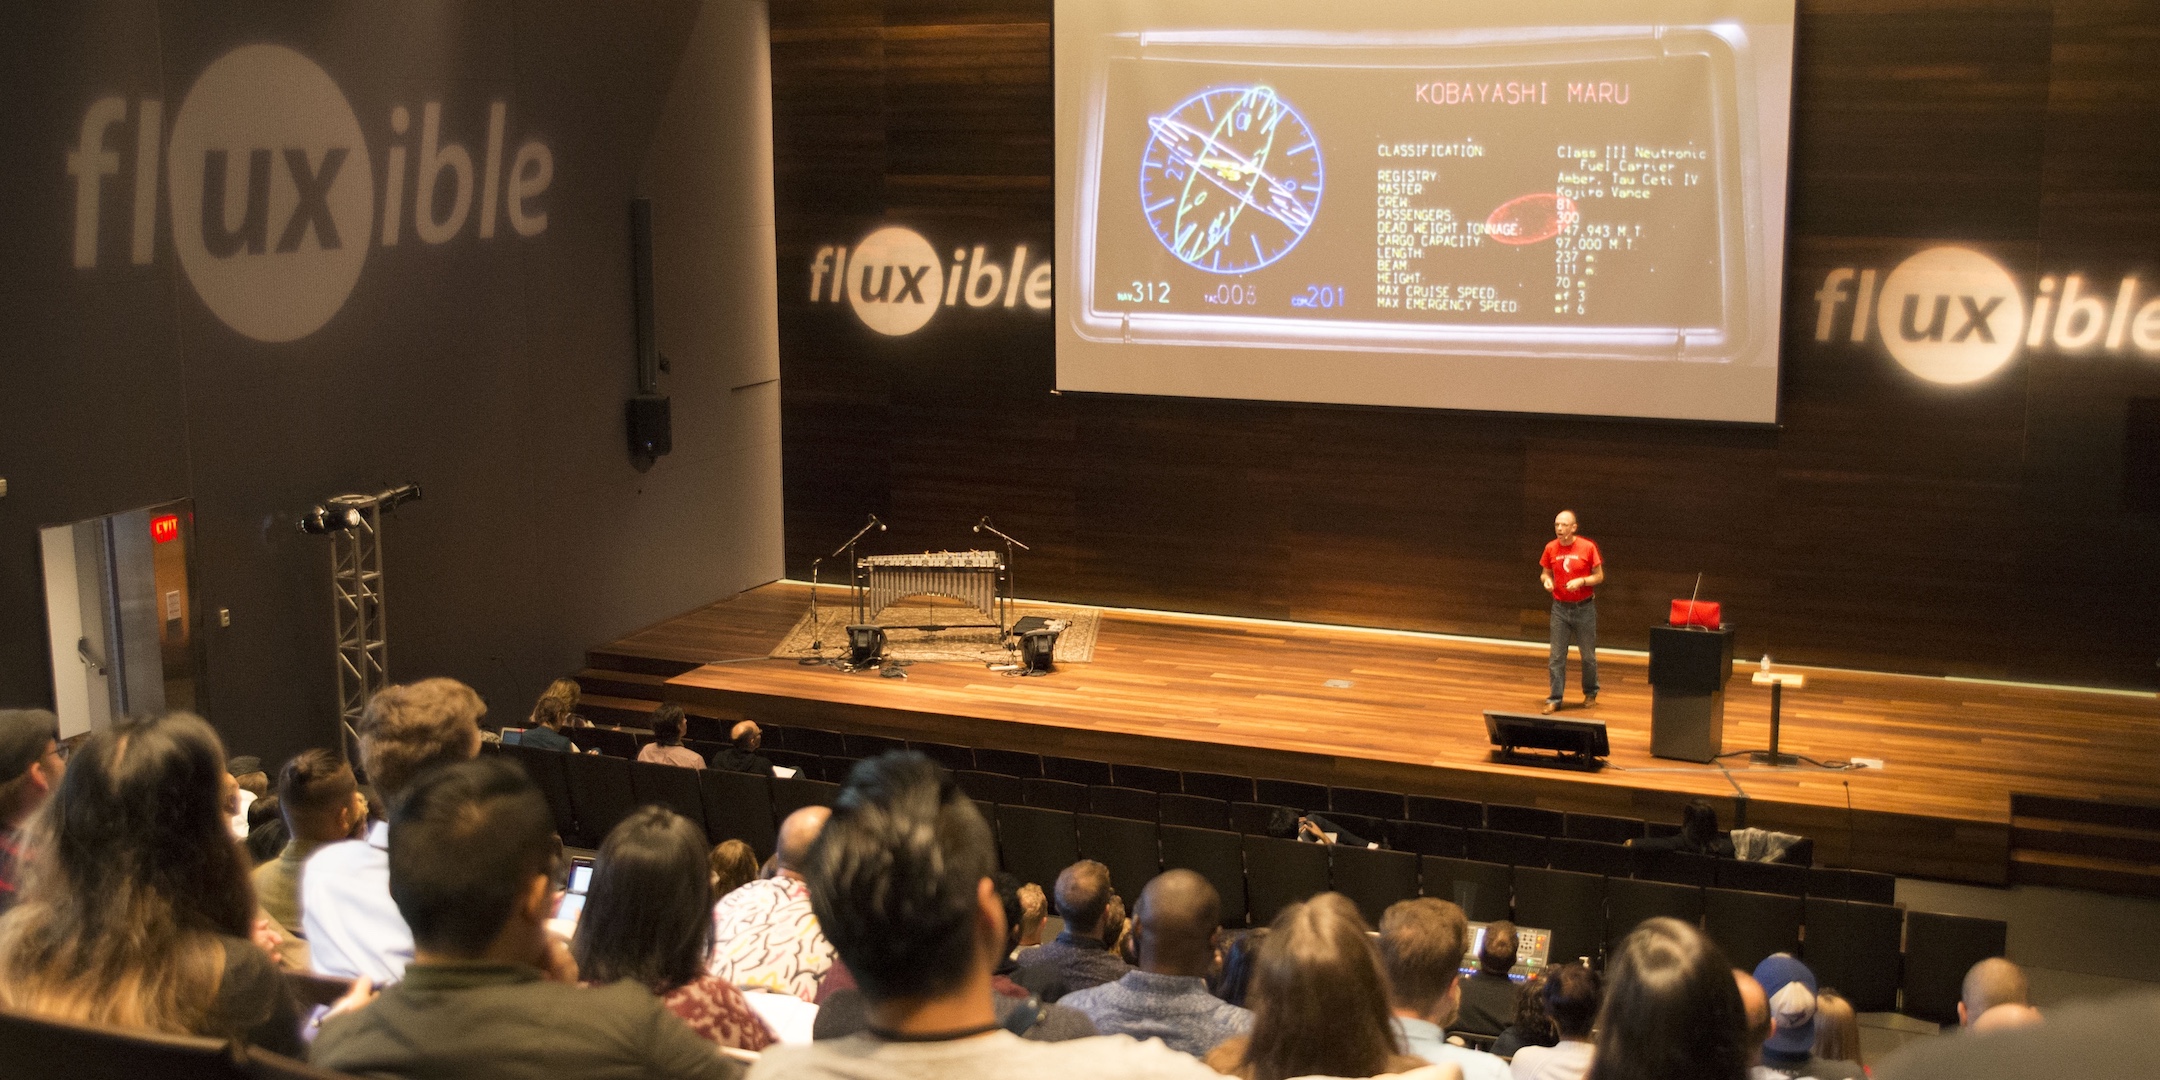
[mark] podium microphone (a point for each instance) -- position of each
(978, 526)
(880, 525)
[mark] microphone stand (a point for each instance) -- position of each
(817, 642)
(1005, 617)
(854, 571)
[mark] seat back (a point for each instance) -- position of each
(1279, 873)
(614, 742)
(1676, 867)
(1425, 838)
(673, 787)
(1135, 804)
(600, 792)
(1461, 813)
(1535, 820)
(952, 757)
(1215, 854)
(1762, 877)
(1589, 857)
(1081, 771)
(1628, 902)
(739, 806)
(41, 1049)
(1222, 786)
(1603, 828)
(1292, 793)
(1252, 818)
(1569, 904)
(1192, 811)
(790, 794)
(1371, 878)
(1752, 925)
(1127, 847)
(990, 786)
(1017, 763)
(808, 741)
(1386, 805)
(546, 769)
(1939, 950)
(264, 1065)
(1482, 889)
(1146, 778)
(1054, 794)
(868, 746)
(807, 766)
(1036, 844)
(1512, 848)
(1855, 947)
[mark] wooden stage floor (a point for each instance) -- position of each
(1238, 696)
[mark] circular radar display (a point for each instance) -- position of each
(1231, 179)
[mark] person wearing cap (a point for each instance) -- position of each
(1790, 1050)
(30, 768)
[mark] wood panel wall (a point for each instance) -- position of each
(1882, 525)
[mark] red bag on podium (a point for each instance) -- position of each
(1703, 613)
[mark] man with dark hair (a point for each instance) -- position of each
(1421, 945)
(1790, 1049)
(1570, 997)
(473, 859)
(742, 752)
(321, 803)
(902, 882)
(545, 732)
(352, 926)
(666, 747)
(1175, 922)
(1079, 957)
(768, 938)
(31, 766)
(1991, 983)
(1488, 995)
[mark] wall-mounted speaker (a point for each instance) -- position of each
(651, 432)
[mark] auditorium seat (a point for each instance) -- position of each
(1010, 762)
(1252, 818)
(1603, 828)
(1629, 902)
(1762, 877)
(613, 742)
(1054, 794)
(1132, 804)
(1939, 950)
(1656, 829)
(1192, 811)
(1035, 843)
(705, 728)
(1146, 778)
(835, 770)
(1864, 886)
(739, 806)
(1214, 854)
(1372, 879)
(546, 769)
(1298, 795)
(793, 793)
(710, 751)
(1512, 848)
(807, 766)
(1371, 830)
(868, 746)
(1079, 771)
(673, 787)
(1279, 873)
(38, 1049)
(1461, 813)
(1855, 948)
(956, 758)
(1425, 838)
(1589, 857)
(1801, 853)
(1677, 867)
(1752, 925)
(990, 786)
(1481, 889)
(1127, 846)
(1532, 820)
(813, 741)
(1386, 805)
(988, 810)
(1569, 904)
(1221, 786)
(599, 792)
(261, 1065)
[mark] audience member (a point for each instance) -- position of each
(473, 866)
(742, 754)
(1531, 1027)
(902, 881)
(31, 766)
(2004, 1017)
(566, 693)
(1176, 921)
(1991, 982)
(1237, 965)
(1287, 824)
(666, 747)
(1080, 956)
(1755, 1005)
(1699, 833)
(544, 730)
(733, 866)
(769, 937)
(1034, 911)
(249, 783)
(1570, 996)
(2107, 1039)
(1421, 947)
(352, 926)
(321, 804)
(1319, 1001)
(648, 919)
(1790, 1049)
(1837, 1029)
(1488, 995)
(267, 831)
(1672, 1010)
(135, 909)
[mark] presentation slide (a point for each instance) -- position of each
(1527, 207)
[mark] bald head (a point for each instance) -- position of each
(797, 833)
(1083, 895)
(1991, 982)
(1178, 915)
(1757, 1005)
(2005, 1017)
(747, 736)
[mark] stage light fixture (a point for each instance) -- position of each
(865, 644)
(323, 519)
(1037, 647)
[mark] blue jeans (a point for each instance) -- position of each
(1576, 622)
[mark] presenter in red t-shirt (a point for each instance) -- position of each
(1571, 571)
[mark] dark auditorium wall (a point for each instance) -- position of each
(1886, 523)
(491, 369)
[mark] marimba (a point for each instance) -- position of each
(971, 577)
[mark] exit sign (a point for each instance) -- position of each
(164, 528)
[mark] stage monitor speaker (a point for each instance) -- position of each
(651, 428)
(1579, 739)
(1037, 647)
(865, 644)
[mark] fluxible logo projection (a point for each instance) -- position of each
(271, 186)
(894, 280)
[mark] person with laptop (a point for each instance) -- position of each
(1488, 996)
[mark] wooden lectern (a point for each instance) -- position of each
(1688, 670)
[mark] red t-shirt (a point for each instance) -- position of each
(1579, 559)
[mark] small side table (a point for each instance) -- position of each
(1777, 681)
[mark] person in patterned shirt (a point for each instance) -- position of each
(646, 920)
(766, 937)
(30, 768)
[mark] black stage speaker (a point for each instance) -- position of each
(865, 644)
(651, 432)
(1036, 649)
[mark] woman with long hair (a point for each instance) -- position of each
(1319, 1000)
(1672, 1010)
(734, 865)
(1837, 1028)
(136, 906)
(648, 918)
